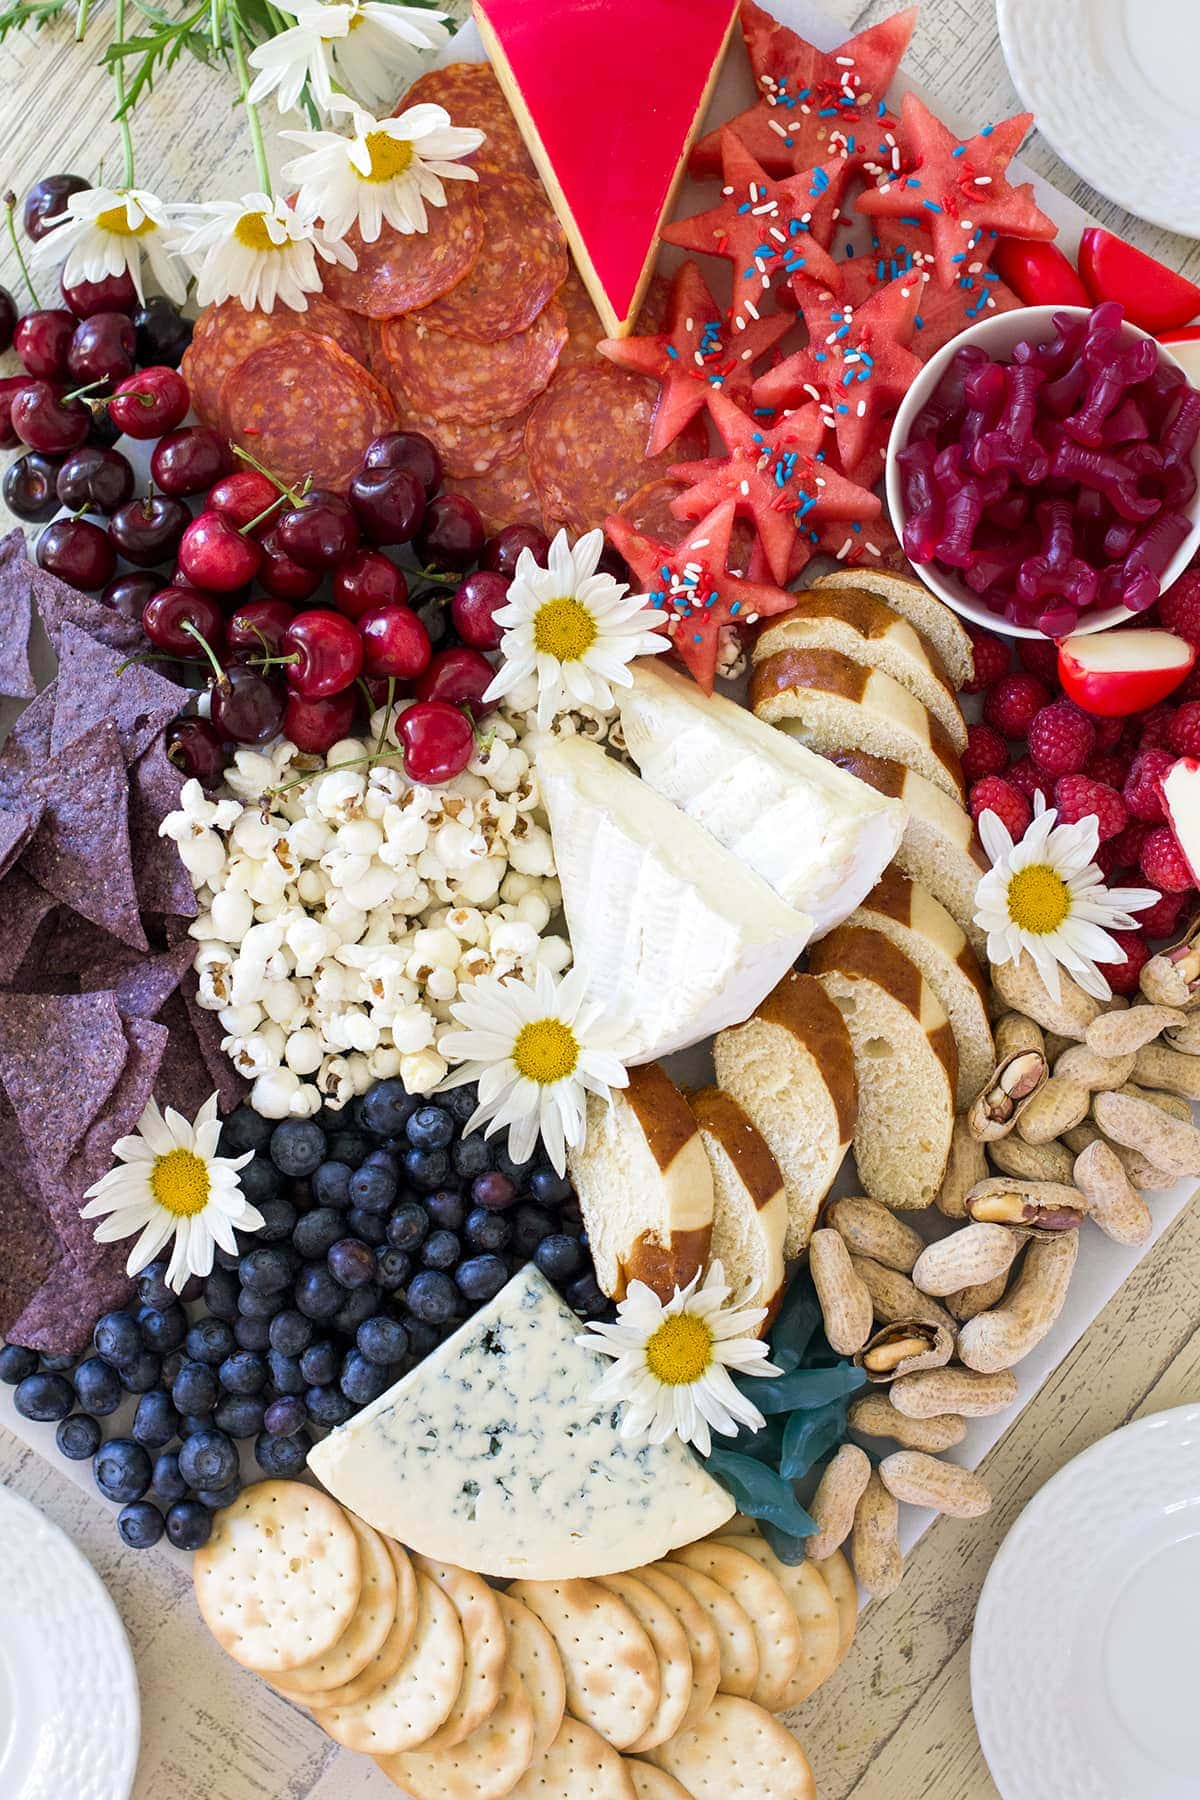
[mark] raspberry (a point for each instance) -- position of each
(1040, 657)
(1026, 775)
(1111, 769)
(1012, 702)
(1122, 977)
(986, 753)
(1078, 798)
(1163, 862)
(991, 660)
(994, 794)
(1108, 733)
(1183, 733)
(1152, 730)
(1061, 738)
(1127, 845)
(1161, 919)
(1107, 860)
(1179, 608)
(1143, 784)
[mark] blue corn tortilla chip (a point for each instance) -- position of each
(61, 1056)
(141, 988)
(163, 884)
(92, 685)
(60, 605)
(17, 826)
(30, 1246)
(81, 851)
(62, 1314)
(16, 615)
(25, 909)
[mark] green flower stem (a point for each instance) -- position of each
(252, 119)
(10, 209)
(119, 84)
(81, 20)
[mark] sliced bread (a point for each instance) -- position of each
(909, 916)
(831, 703)
(750, 1210)
(862, 627)
(644, 1185)
(905, 1060)
(927, 614)
(940, 847)
(791, 1070)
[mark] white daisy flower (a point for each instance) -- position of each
(673, 1361)
(383, 174)
(1047, 895)
(170, 1183)
(107, 231)
(258, 250)
(576, 630)
(371, 48)
(536, 1052)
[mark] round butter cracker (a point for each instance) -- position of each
(650, 1783)
(579, 1765)
(406, 1710)
(700, 1632)
(533, 1653)
(739, 1752)
(485, 1648)
(485, 1765)
(736, 1642)
(391, 1652)
(816, 1614)
(670, 1643)
(838, 1577)
(608, 1660)
(367, 1632)
(765, 1602)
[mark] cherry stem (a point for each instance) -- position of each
(82, 393)
(221, 678)
(436, 575)
(264, 514)
(276, 662)
(10, 207)
(387, 716)
(355, 762)
(285, 492)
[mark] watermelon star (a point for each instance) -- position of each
(773, 474)
(812, 104)
(889, 249)
(856, 357)
(692, 584)
(694, 355)
(956, 187)
(769, 230)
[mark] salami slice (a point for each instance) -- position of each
(473, 97)
(522, 263)
(303, 407)
(402, 270)
(227, 334)
(469, 449)
(504, 496)
(456, 378)
(584, 329)
(649, 512)
(586, 439)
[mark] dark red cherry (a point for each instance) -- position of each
(148, 532)
(328, 651)
(150, 403)
(437, 741)
(47, 201)
(317, 725)
(112, 293)
(388, 503)
(247, 705)
(188, 461)
(258, 628)
(102, 348)
(451, 533)
(395, 643)
(45, 422)
(409, 450)
(127, 594)
(474, 606)
(214, 555)
(78, 552)
(611, 562)
(283, 578)
(319, 532)
(168, 614)
(8, 319)
(243, 496)
(503, 549)
(194, 746)
(97, 478)
(365, 580)
(28, 486)
(42, 340)
(461, 677)
(163, 334)
(10, 387)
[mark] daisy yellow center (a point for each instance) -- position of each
(116, 220)
(1038, 900)
(252, 234)
(390, 157)
(564, 629)
(679, 1352)
(546, 1051)
(180, 1183)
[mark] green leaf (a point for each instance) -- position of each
(761, 1493)
(29, 12)
(808, 1435)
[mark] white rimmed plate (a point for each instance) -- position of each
(69, 1714)
(1083, 1659)
(1112, 84)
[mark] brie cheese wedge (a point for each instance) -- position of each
(816, 834)
(676, 937)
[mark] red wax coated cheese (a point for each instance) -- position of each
(609, 98)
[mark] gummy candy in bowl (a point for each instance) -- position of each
(1043, 471)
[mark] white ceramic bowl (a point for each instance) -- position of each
(999, 336)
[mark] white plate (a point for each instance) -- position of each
(69, 1715)
(1083, 1661)
(1112, 84)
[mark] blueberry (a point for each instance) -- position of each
(265, 1271)
(328, 1405)
(122, 1470)
(16, 1363)
(140, 1524)
(461, 1102)
(361, 1379)
(530, 1225)
(549, 1188)
(426, 1169)
(59, 1363)
(493, 1190)
(422, 1336)
(163, 1327)
(245, 1130)
(362, 1304)
(216, 1498)
(282, 1457)
(447, 1208)
(517, 1172)
(319, 1363)
(386, 1108)
(156, 1420)
(170, 1367)
(395, 1267)
(441, 1250)
(209, 1341)
(79, 1436)
(241, 1415)
(226, 1259)
(220, 1294)
(285, 1416)
(351, 1263)
(140, 1376)
(98, 1386)
(331, 1184)
(278, 1220)
(195, 1388)
(209, 1459)
(318, 1295)
(472, 1155)
(167, 1482)
(260, 1306)
(349, 1146)
(297, 1147)
(284, 1374)
(429, 1128)
(44, 1397)
(433, 1297)
(370, 1227)
(152, 1289)
(117, 1338)
(291, 1332)
(559, 1257)
(191, 1423)
(480, 1278)
(407, 1225)
(317, 1230)
(260, 1181)
(189, 1525)
(245, 1372)
(252, 1334)
(585, 1297)
(486, 1231)
(382, 1340)
(373, 1187)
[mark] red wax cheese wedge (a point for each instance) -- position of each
(1114, 673)
(1154, 297)
(609, 99)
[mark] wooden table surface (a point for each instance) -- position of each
(895, 1722)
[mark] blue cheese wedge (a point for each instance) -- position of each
(491, 1454)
